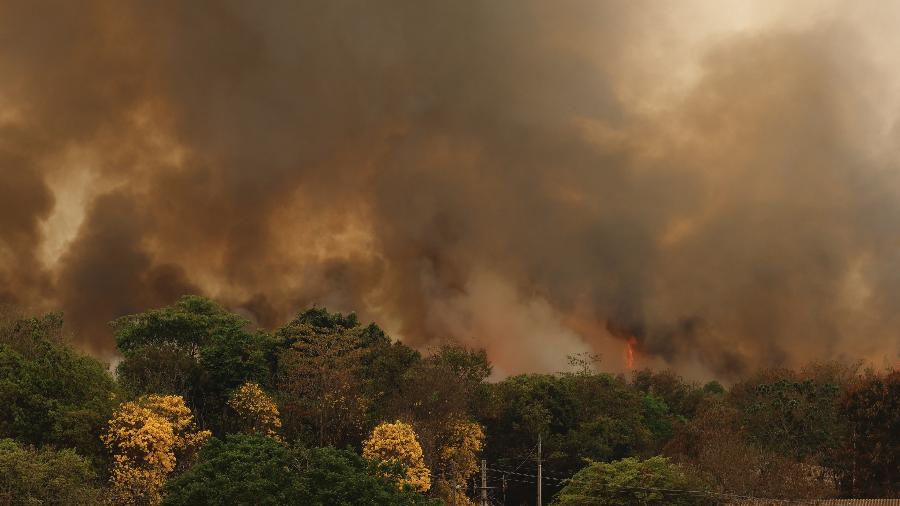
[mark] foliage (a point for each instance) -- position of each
(714, 388)
(459, 453)
(194, 349)
(631, 482)
(29, 476)
(439, 391)
(795, 417)
(336, 377)
(683, 399)
(579, 416)
(397, 443)
(256, 411)
(471, 366)
(384, 371)
(241, 470)
(343, 478)
(148, 439)
(189, 324)
(256, 470)
(458, 457)
(714, 444)
(871, 455)
(329, 380)
(657, 417)
(50, 393)
(320, 375)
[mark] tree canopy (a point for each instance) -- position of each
(256, 470)
(50, 393)
(195, 349)
(206, 409)
(31, 476)
(633, 482)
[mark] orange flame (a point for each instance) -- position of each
(629, 353)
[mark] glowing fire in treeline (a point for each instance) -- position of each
(629, 352)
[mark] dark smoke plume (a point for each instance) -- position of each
(538, 178)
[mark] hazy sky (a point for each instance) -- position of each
(714, 181)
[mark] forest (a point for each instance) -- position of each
(203, 408)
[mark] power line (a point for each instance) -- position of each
(524, 459)
(506, 471)
(530, 479)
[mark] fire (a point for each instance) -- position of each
(629, 352)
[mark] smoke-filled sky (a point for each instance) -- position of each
(716, 181)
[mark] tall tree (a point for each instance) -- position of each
(149, 439)
(792, 415)
(337, 377)
(50, 393)
(457, 459)
(319, 373)
(872, 452)
(714, 444)
(194, 349)
(583, 415)
(438, 393)
(396, 443)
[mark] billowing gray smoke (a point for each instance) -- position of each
(539, 178)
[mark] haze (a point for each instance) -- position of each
(714, 182)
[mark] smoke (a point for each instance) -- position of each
(716, 181)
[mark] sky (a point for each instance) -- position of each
(712, 184)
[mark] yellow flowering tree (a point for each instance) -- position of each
(457, 460)
(148, 439)
(458, 457)
(256, 411)
(397, 443)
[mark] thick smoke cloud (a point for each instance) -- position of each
(538, 178)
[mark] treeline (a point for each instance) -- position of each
(203, 409)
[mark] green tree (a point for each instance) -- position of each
(50, 393)
(871, 460)
(336, 376)
(383, 371)
(794, 416)
(240, 470)
(633, 482)
(683, 399)
(713, 388)
(342, 478)
(195, 349)
(320, 378)
(30, 476)
(256, 470)
(438, 392)
(657, 418)
(582, 415)
(714, 445)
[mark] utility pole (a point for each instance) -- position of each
(539, 502)
(484, 497)
(453, 481)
